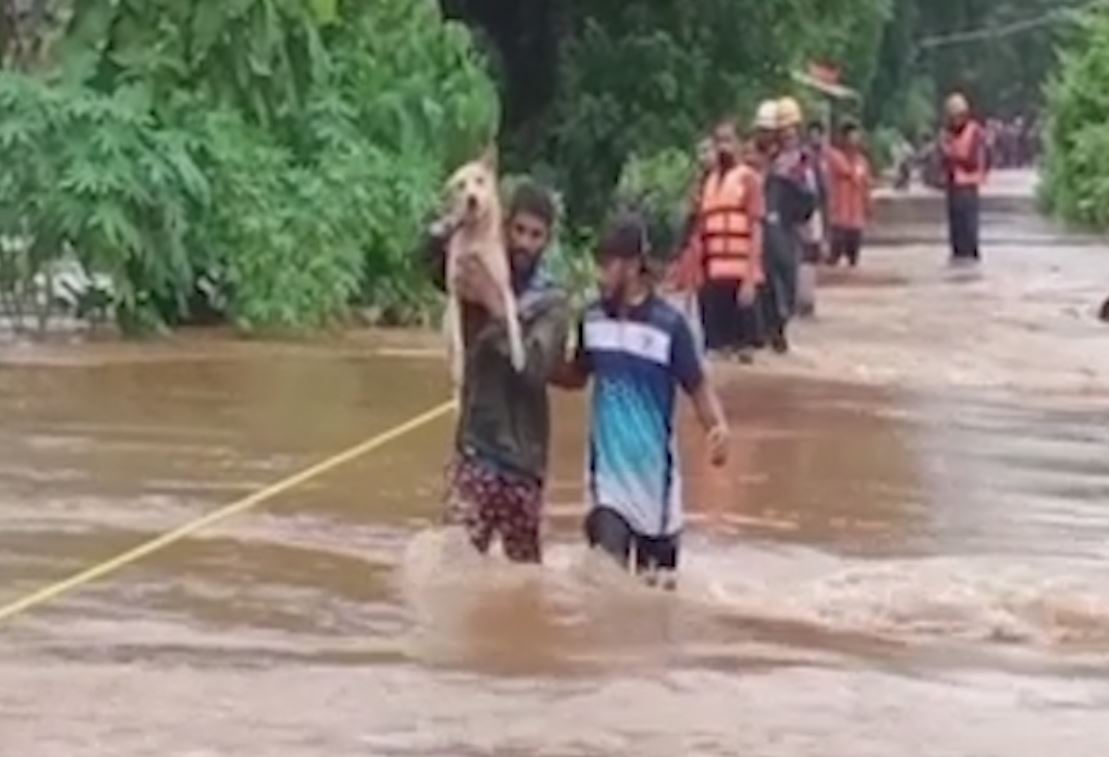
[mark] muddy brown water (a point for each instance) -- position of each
(904, 560)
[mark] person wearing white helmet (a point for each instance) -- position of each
(790, 202)
(766, 118)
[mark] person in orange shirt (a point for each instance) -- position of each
(966, 163)
(849, 195)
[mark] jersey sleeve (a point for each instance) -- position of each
(684, 360)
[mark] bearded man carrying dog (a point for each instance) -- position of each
(496, 479)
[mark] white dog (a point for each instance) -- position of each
(478, 225)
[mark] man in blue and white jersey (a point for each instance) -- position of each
(638, 350)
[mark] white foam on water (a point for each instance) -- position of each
(1045, 603)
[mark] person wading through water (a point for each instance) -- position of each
(790, 202)
(684, 276)
(638, 350)
(850, 206)
(965, 162)
(727, 238)
(815, 232)
(495, 483)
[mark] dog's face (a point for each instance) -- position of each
(473, 193)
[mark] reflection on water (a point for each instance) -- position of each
(877, 562)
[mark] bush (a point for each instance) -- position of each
(93, 175)
(277, 155)
(659, 187)
(1076, 183)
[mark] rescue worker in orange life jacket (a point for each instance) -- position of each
(965, 162)
(728, 231)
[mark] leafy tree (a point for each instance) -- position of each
(1077, 173)
(318, 131)
(1002, 65)
(613, 78)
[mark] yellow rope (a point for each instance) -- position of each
(78, 580)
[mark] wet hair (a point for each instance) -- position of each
(728, 120)
(533, 200)
(624, 238)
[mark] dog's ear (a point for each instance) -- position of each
(489, 157)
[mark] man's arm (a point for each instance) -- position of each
(973, 156)
(756, 211)
(691, 374)
(838, 164)
(544, 340)
(868, 192)
(710, 414)
(573, 374)
(432, 253)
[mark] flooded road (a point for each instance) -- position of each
(909, 553)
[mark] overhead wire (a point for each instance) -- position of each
(1050, 18)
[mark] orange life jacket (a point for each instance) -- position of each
(726, 231)
(968, 147)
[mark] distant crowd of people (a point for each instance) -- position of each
(1009, 143)
(767, 208)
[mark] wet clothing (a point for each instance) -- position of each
(815, 232)
(608, 530)
(849, 205)
(687, 303)
(728, 325)
(846, 245)
(729, 217)
(505, 415)
(790, 203)
(962, 221)
(731, 204)
(966, 165)
(965, 155)
(637, 362)
(778, 297)
(504, 428)
(488, 502)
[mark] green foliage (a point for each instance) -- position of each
(643, 76)
(883, 146)
(660, 188)
(1003, 74)
(94, 175)
(279, 155)
(1076, 181)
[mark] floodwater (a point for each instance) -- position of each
(909, 553)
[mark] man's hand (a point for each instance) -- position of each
(474, 284)
(719, 438)
(747, 293)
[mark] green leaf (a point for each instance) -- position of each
(326, 12)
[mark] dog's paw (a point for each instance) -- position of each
(518, 356)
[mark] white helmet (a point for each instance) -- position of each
(789, 113)
(766, 117)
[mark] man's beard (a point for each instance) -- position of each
(523, 265)
(613, 302)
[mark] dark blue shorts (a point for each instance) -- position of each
(607, 529)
